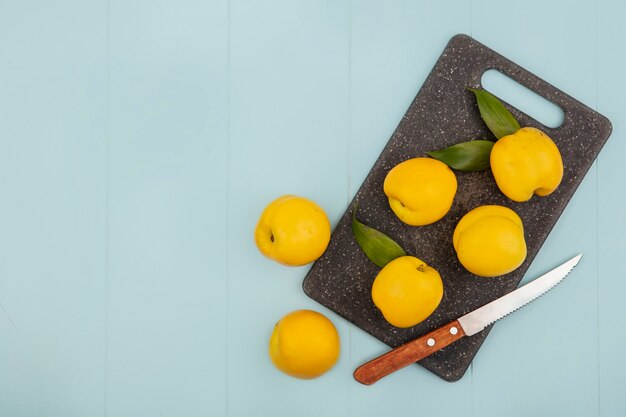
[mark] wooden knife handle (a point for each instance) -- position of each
(408, 353)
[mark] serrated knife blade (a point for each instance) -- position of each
(482, 317)
(466, 325)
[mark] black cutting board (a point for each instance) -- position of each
(443, 113)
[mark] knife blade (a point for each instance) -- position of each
(467, 325)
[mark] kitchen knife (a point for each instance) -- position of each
(467, 325)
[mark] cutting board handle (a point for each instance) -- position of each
(492, 60)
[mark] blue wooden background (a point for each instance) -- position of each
(140, 140)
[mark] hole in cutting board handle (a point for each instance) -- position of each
(522, 98)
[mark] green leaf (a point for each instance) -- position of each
(498, 119)
(466, 156)
(378, 247)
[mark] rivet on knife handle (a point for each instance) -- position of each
(408, 353)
